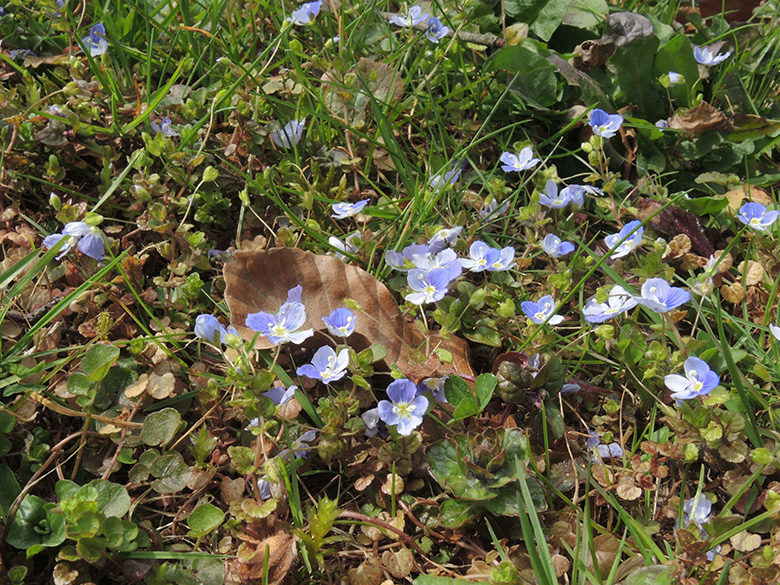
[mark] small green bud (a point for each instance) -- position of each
(54, 201)
(210, 174)
(605, 332)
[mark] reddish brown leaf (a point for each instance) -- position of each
(259, 281)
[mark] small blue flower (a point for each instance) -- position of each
(505, 260)
(756, 216)
(699, 380)
(539, 311)
(775, 330)
(618, 301)
(405, 409)
(404, 260)
(554, 198)
(493, 209)
(371, 420)
(279, 395)
(675, 78)
(436, 30)
(480, 257)
(517, 163)
(428, 286)
(300, 447)
(603, 124)
(601, 452)
(632, 232)
(446, 259)
(341, 322)
(164, 127)
(52, 240)
(91, 242)
(24, 53)
(435, 386)
(350, 245)
(326, 365)
(706, 57)
(556, 247)
(207, 327)
(96, 43)
(344, 210)
(443, 238)
(306, 13)
(441, 180)
(414, 17)
(289, 135)
(662, 124)
(659, 296)
(283, 325)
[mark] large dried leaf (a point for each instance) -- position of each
(702, 118)
(259, 281)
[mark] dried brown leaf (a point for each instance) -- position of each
(753, 273)
(231, 489)
(368, 573)
(745, 541)
(259, 281)
(747, 192)
(733, 293)
(627, 489)
(399, 563)
(161, 387)
(700, 119)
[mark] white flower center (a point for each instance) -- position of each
(404, 409)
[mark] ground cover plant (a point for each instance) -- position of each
(371, 292)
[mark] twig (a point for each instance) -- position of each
(386, 526)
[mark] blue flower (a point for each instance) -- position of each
(279, 395)
(96, 43)
(283, 325)
(601, 452)
(446, 259)
(662, 124)
(404, 260)
(552, 197)
(344, 210)
(24, 53)
(341, 322)
(429, 286)
(699, 380)
(300, 446)
(435, 386)
(706, 57)
(207, 327)
(350, 245)
(414, 17)
(517, 163)
(603, 124)
(371, 420)
(405, 409)
(539, 311)
(306, 13)
(326, 365)
(659, 296)
(163, 127)
(556, 247)
(775, 330)
(441, 180)
(289, 135)
(618, 301)
(443, 238)
(675, 78)
(436, 30)
(756, 216)
(89, 237)
(632, 232)
(493, 209)
(482, 257)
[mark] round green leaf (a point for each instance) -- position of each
(159, 427)
(99, 359)
(204, 519)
